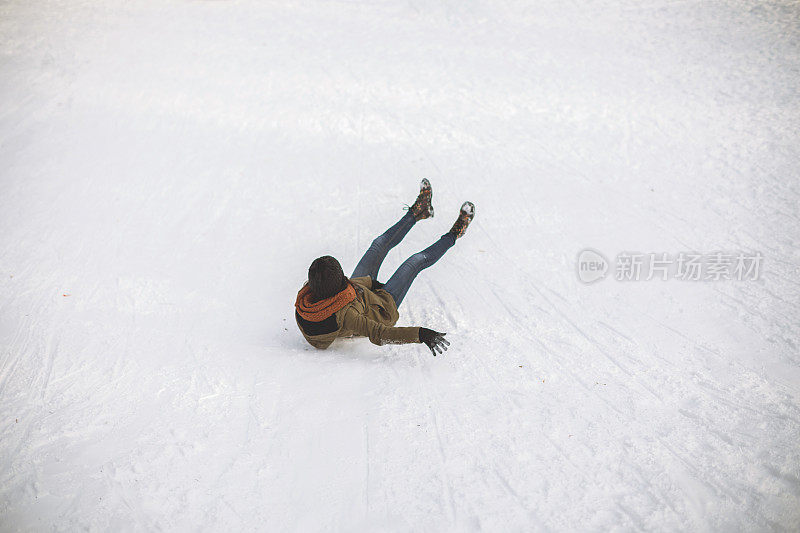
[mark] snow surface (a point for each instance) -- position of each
(170, 168)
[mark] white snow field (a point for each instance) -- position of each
(169, 169)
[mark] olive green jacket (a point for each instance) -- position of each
(372, 314)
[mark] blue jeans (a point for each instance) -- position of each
(401, 280)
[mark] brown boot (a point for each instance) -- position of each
(422, 208)
(465, 216)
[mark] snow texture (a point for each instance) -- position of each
(170, 169)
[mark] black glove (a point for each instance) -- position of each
(433, 340)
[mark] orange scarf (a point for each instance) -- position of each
(318, 311)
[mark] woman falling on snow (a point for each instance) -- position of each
(330, 305)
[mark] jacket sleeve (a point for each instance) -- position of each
(378, 333)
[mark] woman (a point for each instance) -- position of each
(330, 305)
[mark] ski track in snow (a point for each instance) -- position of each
(169, 170)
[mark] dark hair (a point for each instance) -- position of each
(325, 277)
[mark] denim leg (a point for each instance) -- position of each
(401, 280)
(374, 256)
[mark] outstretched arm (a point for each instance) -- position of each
(378, 333)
